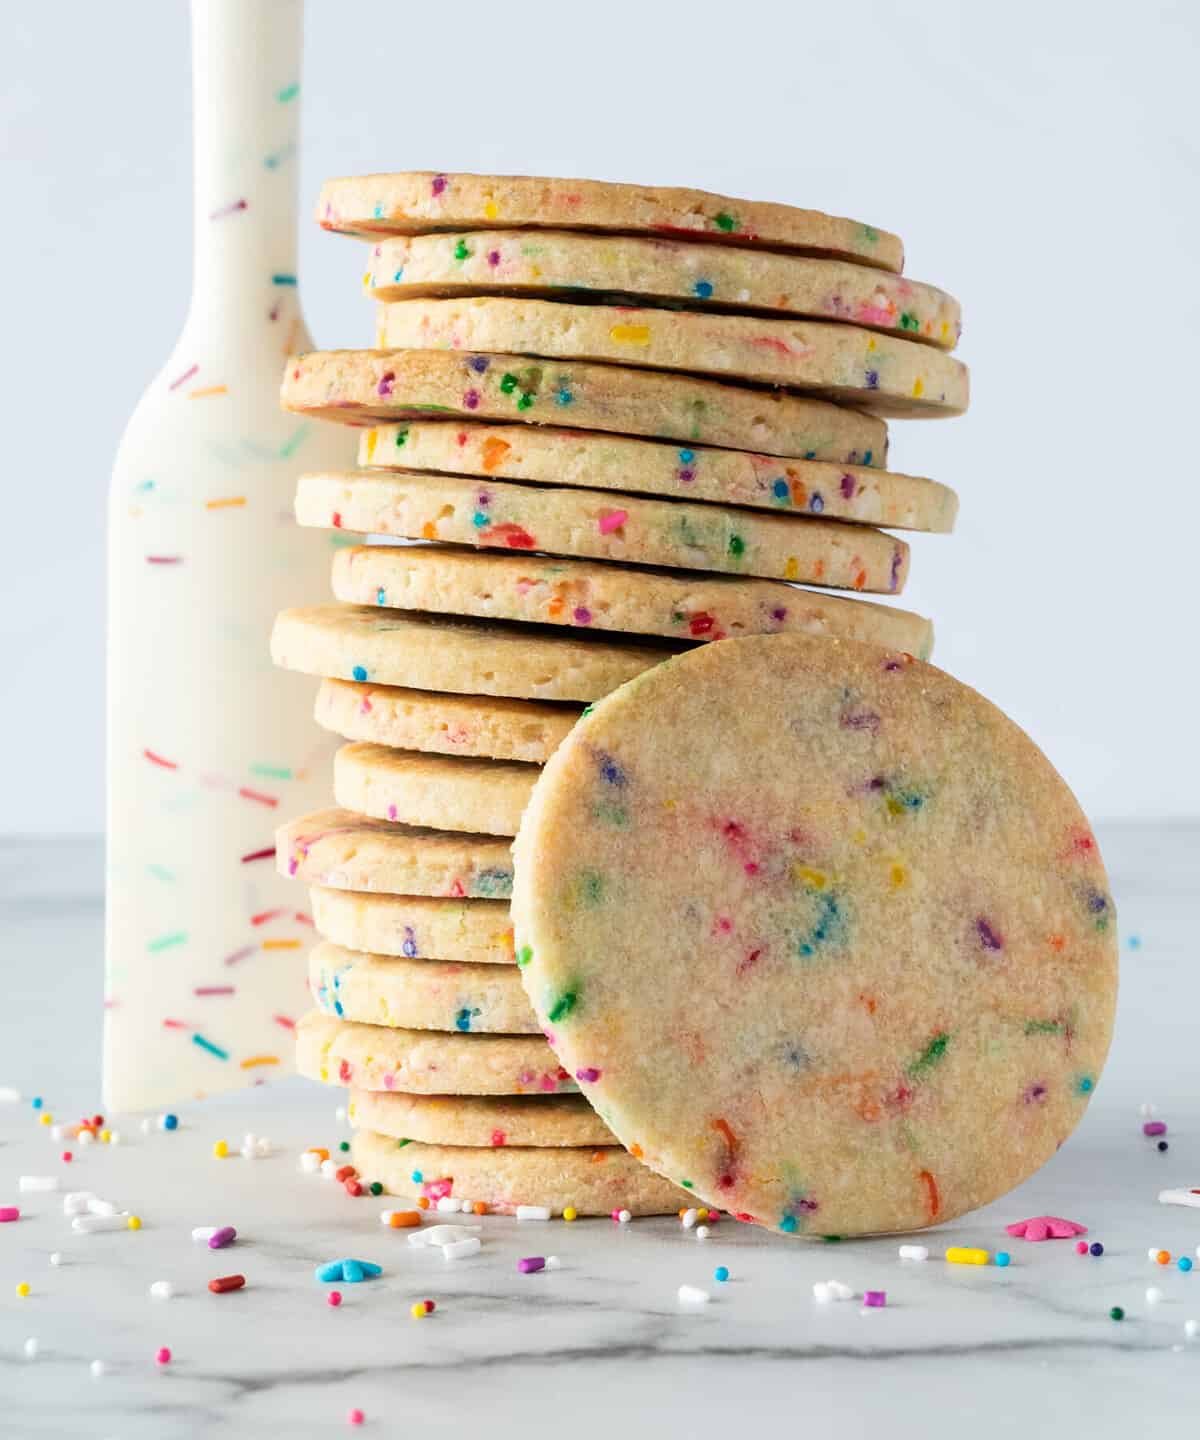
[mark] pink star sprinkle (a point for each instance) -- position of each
(1046, 1227)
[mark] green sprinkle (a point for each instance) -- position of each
(687, 1185)
(832, 1239)
(508, 382)
(562, 1007)
(930, 1056)
(737, 546)
(611, 814)
(289, 92)
(1116, 1313)
(345, 1145)
(461, 252)
(909, 321)
(725, 221)
(272, 772)
(400, 1144)
(164, 942)
(587, 710)
(591, 887)
(160, 872)
(401, 438)
(1043, 1027)
(526, 401)
(294, 441)
(524, 955)
(376, 1188)
(870, 234)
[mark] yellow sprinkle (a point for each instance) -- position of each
(945, 329)
(701, 1214)
(46, 1118)
(252, 1060)
(670, 804)
(105, 1136)
(208, 390)
(871, 344)
(895, 806)
(958, 1255)
(225, 503)
(898, 876)
(220, 1150)
(366, 279)
(859, 837)
(630, 334)
(372, 441)
(570, 1213)
(418, 1311)
(490, 211)
(23, 1289)
(281, 944)
(918, 388)
(134, 1222)
(791, 571)
(808, 876)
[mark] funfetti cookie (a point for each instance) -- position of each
(591, 1181)
(557, 263)
(418, 202)
(454, 792)
(480, 1120)
(357, 387)
(590, 460)
(496, 514)
(426, 1062)
(475, 932)
(389, 647)
(346, 851)
(593, 595)
(490, 725)
(882, 373)
(821, 931)
(419, 994)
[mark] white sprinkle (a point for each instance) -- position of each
(914, 1252)
(442, 1234)
(1147, 1111)
(249, 1141)
(466, 1206)
(114, 1137)
(56, 1258)
(553, 1262)
(161, 1290)
(85, 1137)
(263, 1147)
(310, 1162)
(1152, 1253)
(533, 1212)
(329, 1169)
(1191, 1328)
(340, 1114)
(624, 1217)
(96, 1206)
(701, 1232)
(1179, 1197)
(31, 1348)
(448, 1205)
(146, 1126)
(248, 1152)
(1153, 1295)
(202, 1234)
(37, 1183)
(822, 1292)
(98, 1368)
(839, 1291)
(462, 1248)
(693, 1295)
(90, 1224)
(75, 1202)
(688, 1219)
(9, 1096)
(58, 1132)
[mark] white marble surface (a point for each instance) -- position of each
(602, 1345)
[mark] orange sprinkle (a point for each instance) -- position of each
(208, 390)
(404, 1219)
(636, 1152)
(933, 1201)
(598, 1157)
(479, 1208)
(1057, 942)
(252, 1060)
(494, 452)
(225, 503)
(319, 1151)
(722, 1126)
(423, 1202)
(429, 531)
(281, 945)
(1163, 1257)
(860, 579)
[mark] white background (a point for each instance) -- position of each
(1039, 159)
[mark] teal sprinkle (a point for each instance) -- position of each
(282, 279)
(828, 927)
(164, 942)
(868, 457)
(788, 1224)
(398, 276)
(479, 520)
(417, 1177)
(289, 92)
(462, 1021)
(160, 872)
(1085, 1085)
(704, 289)
(272, 772)
(686, 457)
(359, 672)
(562, 1007)
(780, 489)
(494, 884)
(564, 396)
(210, 1047)
(379, 212)
(381, 596)
(294, 441)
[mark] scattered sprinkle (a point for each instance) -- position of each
(966, 1255)
(721, 1274)
(693, 1295)
(226, 1282)
(1116, 1313)
(914, 1252)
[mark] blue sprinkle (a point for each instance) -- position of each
(352, 1272)
(409, 947)
(703, 288)
(564, 396)
(721, 1273)
(417, 1177)
(331, 1271)
(867, 457)
(462, 1021)
(479, 520)
(610, 771)
(686, 456)
(1085, 1084)
(170, 1122)
(1096, 1248)
(810, 454)
(872, 379)
(36, 1102)
(381, 596)
(816, 502)
(359, 672)
(399, 275)
(788, 1224)
(337, 1007)
(479, 363)
(1002, 1258)
(1134, 942)
(780, 489)
(1185, 1263)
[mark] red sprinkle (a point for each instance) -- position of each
(226, 1282)
(345, 1172)
(353, 1188)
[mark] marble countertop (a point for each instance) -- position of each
(601, 1344)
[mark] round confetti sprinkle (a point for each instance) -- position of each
(570, 1213)
(721, 1273)
(1096, 1248)
(67, 1157)
(1153, 1295)
(376, 1188)
(56, 1257)
(134, 1222)
(23, 1289)
(1162, 1145)
(334, 1298)
(162, 1356)
(1163, 1257)
(220, 1150)
(1081, 1247)
(1184, 1263)
(1116, 1313)
(356, 1417)
(170, 1122)
(97, 1369)
(1002, 1258)
(31, 1348)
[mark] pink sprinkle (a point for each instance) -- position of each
(611, 521)
(531, 1264)
(164, 559)
(1045, 1227)
(1154, 1127)
(228, 210)
(391, 812)
(184, 378)
(226, 1235)
(334, 1298)
(9, 1212)
(213, 990)
(162, 1356)
(875, 1299)
(284, 1021)
(1081, 1247)
(241, 954)
(386, 380)
(266, 854)
(589, 1074)
(356, 1417)
(438, 185)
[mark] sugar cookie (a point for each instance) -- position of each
(476, 932)
(490, 1120)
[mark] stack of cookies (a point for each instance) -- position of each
(598, 446)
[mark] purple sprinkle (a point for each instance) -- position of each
(875, 1299)
(1154, 1127)
(872, 379)
(848, 486)
(990, 939)
(531, 1264)
(385, 382)
(1035, 1092)
(779, 613)
(687, 474)
(861, 720)
(479, 363)
(439, 184)
(471, 399)
(493, 257)
(897, 561)
(589, 1074)
(226, 1235)
(583, 616)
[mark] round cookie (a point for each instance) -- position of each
(909, 951)
(474, 932)
(543, 455)
(885, 374)
(356, 387)
(479, 1120)
(591, 1181)
(595, 595)
(418, 202)
(556, 262)
(425, 1062)
(345, 851)
(457, 792)
(489, 725)
(419, 994)
(350, 642)
(499, 515)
